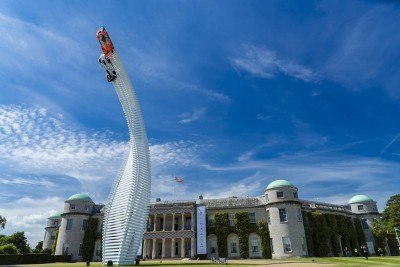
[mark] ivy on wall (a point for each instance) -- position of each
(359, 232)
(242, 225)
(263, 232)
(222, 230)
(333, 233)
(308, 230)
(242, 228)
(89, 239)
(321, 235)
(54, 245)
(323, 229)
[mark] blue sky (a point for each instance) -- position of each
(234, 94)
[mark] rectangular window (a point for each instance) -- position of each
(252, 217)
(53, 236)
(84, 225)
(80, 250)
(268, 217)
(71, 206)
(287, 246)
(272, 245)
(233, 248)
(211, 220)
(213, 247)
(282, 215)
(255, 247)
(364, 224)
(360, 207)
(231, 219)
(295, 195)
(69, 224)
(279, 194)
(298, 214)
(87, 208)
(98, 250)
(266, 198)
(65, 249)
(161, 223)
(56, 223)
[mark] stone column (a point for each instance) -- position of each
(182, 247)
(173, 222)
(192, 221)
(163, 248)
(155, 222)
(165, 221)
(173, 248)
(153, 253)
(144, 254)
(183, 221)
(192, 247)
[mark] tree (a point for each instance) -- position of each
(391, 214)
(380, 237)
(89, 240)
(2, 222)
(19, 240)
(38, 248)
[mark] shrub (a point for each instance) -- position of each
(9, 249)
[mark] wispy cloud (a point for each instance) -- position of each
(263, 62)
(394, 139)
(158, 69)
(191, 117)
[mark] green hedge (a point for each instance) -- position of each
(32, 259)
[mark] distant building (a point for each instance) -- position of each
(172, 229)
(71, 225)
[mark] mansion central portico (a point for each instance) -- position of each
(170, 230)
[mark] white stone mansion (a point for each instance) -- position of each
(176, 230)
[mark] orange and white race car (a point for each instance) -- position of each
(105, 42)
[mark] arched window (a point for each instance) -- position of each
(212, 247)
(233, 246)
(254, 246)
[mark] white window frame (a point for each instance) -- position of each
(298, 215)
(277, 194)
(70, 228)
(72, 206)
(231, 217)
(252, 215)
(268, 217)
(364, 224)
(288, 242)
(280, 217)
(271, 243)
(360, 207)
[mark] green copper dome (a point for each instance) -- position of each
(55, 215)
(80, 197)
(360, 198)
(279, 183)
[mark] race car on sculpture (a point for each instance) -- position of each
(105, 42)
(109, 67)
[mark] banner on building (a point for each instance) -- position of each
(201, 230)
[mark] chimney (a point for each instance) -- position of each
(158, 199)
(201, 197)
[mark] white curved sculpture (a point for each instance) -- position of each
(127, 207)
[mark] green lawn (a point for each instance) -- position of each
(337, 261)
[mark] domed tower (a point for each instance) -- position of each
(53, 223)
(74, 221)
(366, 210)
(284, 219)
